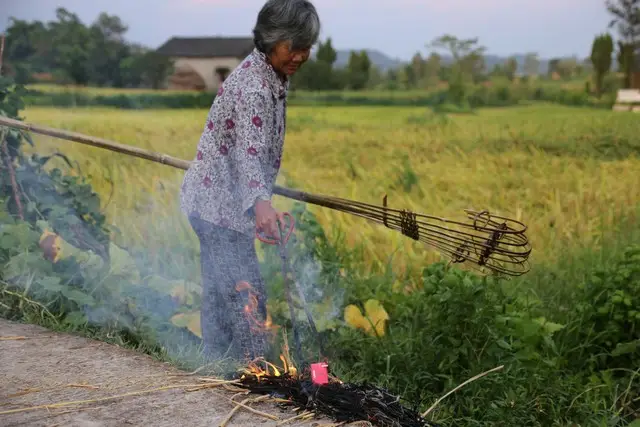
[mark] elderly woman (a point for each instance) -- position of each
(226, 193)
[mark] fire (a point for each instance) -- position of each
(255, 369)
(288, 368)
(251, 308)
(259, 368)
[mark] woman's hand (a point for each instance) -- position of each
(268, 220)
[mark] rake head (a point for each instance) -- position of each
(485, 241)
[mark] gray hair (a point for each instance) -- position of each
(294, 21)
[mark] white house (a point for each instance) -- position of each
(203, 63)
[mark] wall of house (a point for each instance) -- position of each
(635, 80)
(206, 68)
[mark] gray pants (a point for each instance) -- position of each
(232, 316)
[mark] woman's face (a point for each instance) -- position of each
(287, 61)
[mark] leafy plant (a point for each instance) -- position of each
(610, 313)
(57, 263)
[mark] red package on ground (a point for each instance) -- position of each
(319, 373)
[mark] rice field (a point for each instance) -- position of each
(568, 173)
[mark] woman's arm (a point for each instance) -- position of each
(253, 115)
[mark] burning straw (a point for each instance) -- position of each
(343, 402)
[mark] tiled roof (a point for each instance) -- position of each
(207, 47)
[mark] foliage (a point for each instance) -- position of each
(601, 59)
(467, 54)
(532, 64)
(625, 15)
(610, 321)
(57, 263)
(511, 68)
(358, 70)
(67, 50)
(96, 54)
(625, 57)
(459, 93)
(326, 52)
(456, 325)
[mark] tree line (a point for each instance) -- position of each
(625, 16)
(68, 51)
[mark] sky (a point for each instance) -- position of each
(398, 28)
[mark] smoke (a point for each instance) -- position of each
(143, 290)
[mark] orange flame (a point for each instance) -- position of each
(260, 367)
(251, 308)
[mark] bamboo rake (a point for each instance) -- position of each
(485, 241)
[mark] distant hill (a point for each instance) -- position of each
(379, 59)
(385, 62)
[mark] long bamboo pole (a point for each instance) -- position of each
(479, 241)
(143, 154)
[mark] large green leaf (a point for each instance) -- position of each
(183, 291)
(78, 296)
(122, 264)
(26, 263)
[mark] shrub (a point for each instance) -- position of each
(610, 314)
(458, 94)
(58, 266)
(456, 326)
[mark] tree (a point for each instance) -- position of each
(468, 64)
(601, 52)
(321, 75)
(358, 70)
(625, 59)
(315, 75)
(497, 71)
(21, 40)
(66, 47)
(392, 78)
(531, 64)
(107, 50)
(326, 52)
(155, 69)
(432, 68)
(567, 67)
(473, 66)
(626, 17)
(25, 46)
(511, 68)
(71, 41)
(553, 66)
(376, 78)
(467, 54)
(415, 70)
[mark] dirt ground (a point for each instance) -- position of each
(46, 368)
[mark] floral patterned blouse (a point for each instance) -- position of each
(239, 153)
